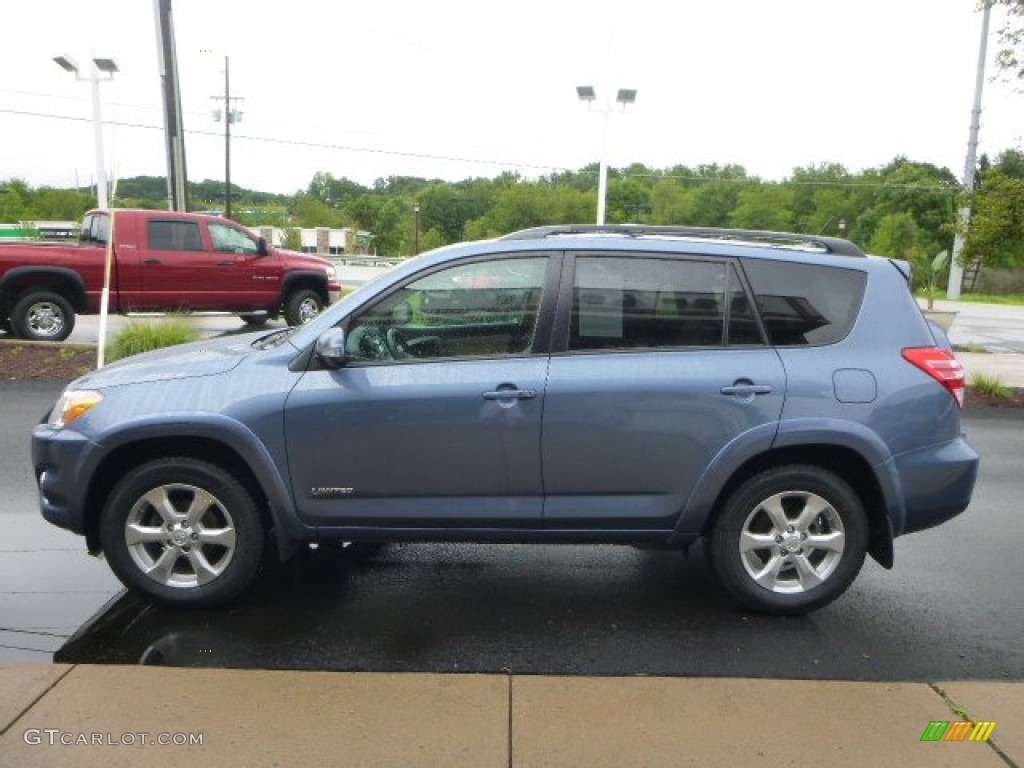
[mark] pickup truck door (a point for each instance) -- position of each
(182, 271)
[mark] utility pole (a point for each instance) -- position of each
(956, 270)
(174, 128)
(231, 115)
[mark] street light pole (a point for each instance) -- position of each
(109, 67)
(625, 97)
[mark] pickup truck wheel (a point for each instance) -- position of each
(42, 316)
(789, 540)
(302, 306)
(184, 532)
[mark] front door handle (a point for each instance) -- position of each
(746, 389)
(510, 394)
(152, 261)
(225, 263)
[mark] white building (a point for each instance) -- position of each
(324, 241)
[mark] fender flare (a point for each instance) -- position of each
(795, 433)
(77, 296)
(305, 275)
(233, 435)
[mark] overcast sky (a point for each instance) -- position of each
(454, 89)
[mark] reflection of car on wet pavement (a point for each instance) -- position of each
(779, 396)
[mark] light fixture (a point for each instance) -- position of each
(66, 63)
(586, 92)
(109, 66)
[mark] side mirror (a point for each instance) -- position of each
(261, 247)
(330, 348)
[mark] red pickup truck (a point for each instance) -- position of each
(163, 261)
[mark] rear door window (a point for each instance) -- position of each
(174, 236)
(642, 302)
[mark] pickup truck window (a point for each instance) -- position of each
(230, 240)
(174, 236)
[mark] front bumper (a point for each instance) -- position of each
(58, 456)
(937, 483)
(334, 291)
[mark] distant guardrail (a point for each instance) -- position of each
(366, 261)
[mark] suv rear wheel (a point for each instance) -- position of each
(789, 540)
(183, 531)
(42, 316)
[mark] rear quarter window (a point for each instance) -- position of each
(805, 304)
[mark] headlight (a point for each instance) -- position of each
(72, 404)
(331, 272)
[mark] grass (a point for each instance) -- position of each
(1014, 299)
(990, 386)
(144, 336)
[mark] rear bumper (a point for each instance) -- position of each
(937, 483)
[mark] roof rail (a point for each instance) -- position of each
(834, 245)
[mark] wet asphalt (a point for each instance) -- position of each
(951, 609)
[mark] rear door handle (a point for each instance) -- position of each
(225, 263)
(152, 261)
(510, 394)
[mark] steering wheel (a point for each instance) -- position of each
(369, 342)
(397, 344)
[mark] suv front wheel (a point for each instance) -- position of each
(183, 531)
(789, 540)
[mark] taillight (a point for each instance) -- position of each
(941, 366)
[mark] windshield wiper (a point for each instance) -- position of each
(273, 339)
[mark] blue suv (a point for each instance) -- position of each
(779, 397)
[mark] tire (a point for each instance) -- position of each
(762, 542)
(302, 306)
(42, 316)
(155, 502)
(255, 321)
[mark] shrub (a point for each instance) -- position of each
(144, 335)
(990, 386)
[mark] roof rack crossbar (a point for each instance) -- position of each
(834, 245)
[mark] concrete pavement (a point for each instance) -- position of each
(262, 718)
(257, 718)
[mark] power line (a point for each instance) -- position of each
(502, 163)
(303, 143)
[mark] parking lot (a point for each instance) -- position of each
(950, 609)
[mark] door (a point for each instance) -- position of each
(180, 270)
(663, 366)
(434, 420)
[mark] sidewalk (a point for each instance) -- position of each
(1008, 367)
(260, 718)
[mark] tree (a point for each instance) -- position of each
(292, 239)
(764, 206)
(996, 231)
(895, 237)
(1010, 37)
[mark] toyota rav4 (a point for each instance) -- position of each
(779, 397)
